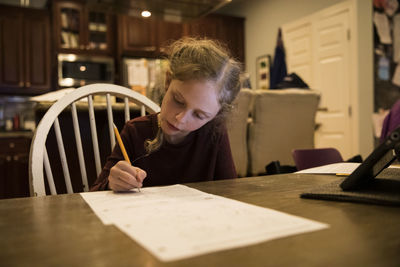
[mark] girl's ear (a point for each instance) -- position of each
(168, 79)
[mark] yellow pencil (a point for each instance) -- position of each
(121, 145)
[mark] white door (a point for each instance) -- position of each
(317, 48)
(298, 42)
(331, 76)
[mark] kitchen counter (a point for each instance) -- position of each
(14, 158)
(16, 134)
(83, 105)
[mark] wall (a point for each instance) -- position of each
(364, 87)
(264, 17)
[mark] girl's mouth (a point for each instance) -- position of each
(172, 127)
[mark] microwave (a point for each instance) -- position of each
(79, 70)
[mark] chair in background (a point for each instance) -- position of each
(391, 121)
(282, 120)
(39, 156)
(309, 158)
(237, 130)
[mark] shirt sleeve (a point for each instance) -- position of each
(224, 167)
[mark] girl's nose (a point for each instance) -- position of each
(181, 117)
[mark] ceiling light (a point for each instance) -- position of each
(146, 13)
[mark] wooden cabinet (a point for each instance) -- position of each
(14, 158)
(231, 32)
(226, 29)
(137, 36)
(24, 51)
(204, 27)
(79, 29)
(147, 37)
(168, 32)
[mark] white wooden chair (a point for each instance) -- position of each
(39, 153)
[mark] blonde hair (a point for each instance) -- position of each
(203, 59)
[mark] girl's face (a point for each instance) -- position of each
(186, 107)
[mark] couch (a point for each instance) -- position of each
(266, 125)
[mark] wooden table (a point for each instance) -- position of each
(63, 231)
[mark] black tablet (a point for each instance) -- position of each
(378, 160)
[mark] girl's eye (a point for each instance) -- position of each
(178, 101)
(199, 116)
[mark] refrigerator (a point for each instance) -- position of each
(146, 76)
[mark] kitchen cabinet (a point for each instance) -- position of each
(137, 36)
(24, 51)
(80, 29)
(14, 158)
(147, 37)
(167, 33)
(231, 32)
(226, 29)
(204, 27)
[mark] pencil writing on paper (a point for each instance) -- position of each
(121, 145)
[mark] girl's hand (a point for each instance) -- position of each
(124, 177)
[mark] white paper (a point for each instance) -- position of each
(382, 25)
(138, 74)
(337, 168)
(341, 167)
(176, 222)
(74, 39)
(64, 20)
(65, 37)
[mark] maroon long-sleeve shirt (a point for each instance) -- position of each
(204, 155)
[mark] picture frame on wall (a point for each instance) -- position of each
(263, 64)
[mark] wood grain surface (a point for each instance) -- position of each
(63, 231)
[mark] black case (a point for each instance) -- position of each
(378, 160)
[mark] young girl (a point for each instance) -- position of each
(187, 141)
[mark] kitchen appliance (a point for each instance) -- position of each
(146, 76)
(79, 70)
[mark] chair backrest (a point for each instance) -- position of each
(237, 130)
(282, 120)
(309, 158)
(39, 156)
